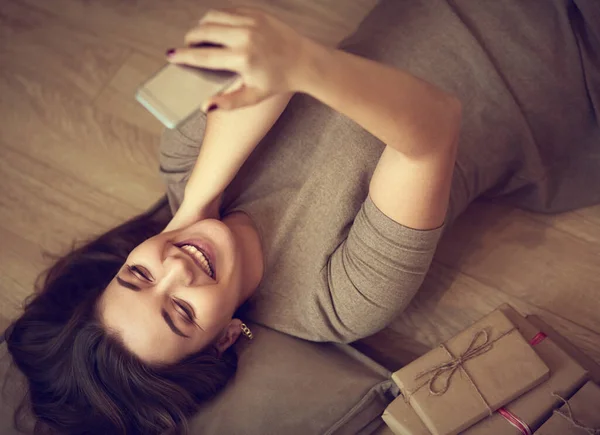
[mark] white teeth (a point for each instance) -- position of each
(199, 255)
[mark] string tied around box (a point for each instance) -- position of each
(571, 419)
(473, 350)
(511, 418)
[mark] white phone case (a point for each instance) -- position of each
(175, 92)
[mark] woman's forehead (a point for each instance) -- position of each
(137, 320)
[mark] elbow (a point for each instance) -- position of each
(452, 119)
(444, 131)
(434, 129)
(456, 108)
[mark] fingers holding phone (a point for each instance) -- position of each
(265, 52)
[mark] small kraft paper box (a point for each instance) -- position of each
(527, 413)
(577, 354)
(471, 375)
(579, 416)
(402, 419)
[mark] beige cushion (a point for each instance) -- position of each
(284, 385)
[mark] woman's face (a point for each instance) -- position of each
(176, 293)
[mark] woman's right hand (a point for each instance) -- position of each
(188, 214)
(269, 55)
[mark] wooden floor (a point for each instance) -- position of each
(78, 155)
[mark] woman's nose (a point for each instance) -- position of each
(177, 271)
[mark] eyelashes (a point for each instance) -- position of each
(140, 272)
(182, 309)
(187, 314)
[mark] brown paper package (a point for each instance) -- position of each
(566, 376)
(535, 406)
(402, 420)
(503, 373)
(584, 360)
(585, 408)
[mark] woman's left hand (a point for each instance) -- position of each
(268, 55)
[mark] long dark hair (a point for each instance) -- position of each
(81, 379)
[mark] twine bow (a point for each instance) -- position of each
(571, 419)
(450, 367)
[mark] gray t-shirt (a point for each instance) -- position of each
(337, 268)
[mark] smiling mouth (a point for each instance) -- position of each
(199, 257)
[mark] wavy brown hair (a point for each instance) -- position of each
(82, 379)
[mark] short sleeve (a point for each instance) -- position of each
(376, 271)
(179, 149)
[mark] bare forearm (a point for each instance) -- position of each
(403, 111)
(418, 122)
(229, 138)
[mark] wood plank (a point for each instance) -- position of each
(326, 22)
(583, 223)
(160, 25)
(120, 23)
(449, 301)
(17, 17)
(118, 97)
(76, 61)
(95, 147)
(48, 208)
(21, 261)
(541, 265)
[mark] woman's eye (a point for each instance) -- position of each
(184, 311)
(137, 271)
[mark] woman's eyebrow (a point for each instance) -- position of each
(171, 325)
(165, 315)
(128, 285)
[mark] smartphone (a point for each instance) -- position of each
(176, 92)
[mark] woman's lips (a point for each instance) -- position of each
(206, 249)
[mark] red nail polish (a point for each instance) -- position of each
(211, 107)
(170, 51)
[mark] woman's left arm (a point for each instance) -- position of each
(375, 272)
(417, 121)
(373, 275)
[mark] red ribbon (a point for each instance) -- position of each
(509, 416)
(515, 421)
(538, 338)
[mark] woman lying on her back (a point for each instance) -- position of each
(321, 225)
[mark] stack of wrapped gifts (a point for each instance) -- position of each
(502, 375)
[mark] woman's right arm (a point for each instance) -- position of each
(418, 121)
(229, 138)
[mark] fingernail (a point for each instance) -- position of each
(211, 107)
(170, 51)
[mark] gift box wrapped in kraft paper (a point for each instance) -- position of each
(402, 419)
(580, 415)
(524, 414)
(574, 352)
(474, 373)
(527, 413)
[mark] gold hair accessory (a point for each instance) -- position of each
(246, 331)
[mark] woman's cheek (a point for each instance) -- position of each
(151, 248)
(213, 308)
